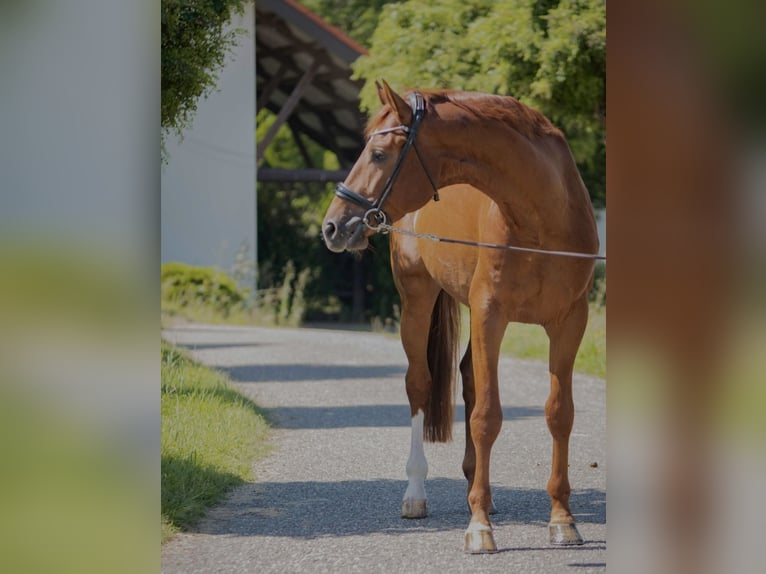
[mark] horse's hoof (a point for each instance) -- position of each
(564, 534)
(412, 508)
(479, 539)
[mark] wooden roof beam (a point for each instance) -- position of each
(301, 175)
(287, 108)
(270, 88)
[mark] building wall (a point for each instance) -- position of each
(208, 186)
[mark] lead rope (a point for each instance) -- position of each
(385, 228)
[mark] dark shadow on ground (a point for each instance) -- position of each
(329, 326)
(368, 416)
(232, 345)
(310, 372)
(347, 508)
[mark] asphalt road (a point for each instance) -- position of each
(328, 497)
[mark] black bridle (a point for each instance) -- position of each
(374, 215)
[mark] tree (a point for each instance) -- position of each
(195, 42)
(357, 18)
(550, 54)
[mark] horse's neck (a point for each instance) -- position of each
(534, 181)
(518, 174)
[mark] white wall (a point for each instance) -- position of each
(208, 185)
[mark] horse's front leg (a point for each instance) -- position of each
(414, 504)
(415, 323)
(565, 338)
(487, 328)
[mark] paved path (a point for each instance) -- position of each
(328, 498)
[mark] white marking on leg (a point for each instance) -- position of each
(417, 466)
(476, 527)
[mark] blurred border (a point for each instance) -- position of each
(79, 400)
(686, 329)
(79, 309)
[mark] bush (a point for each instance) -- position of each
(189, 286)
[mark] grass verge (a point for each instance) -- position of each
(211, 435)
(531, 342)
(201, 313)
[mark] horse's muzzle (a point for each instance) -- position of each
(345, 235)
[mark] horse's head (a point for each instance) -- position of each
(387, 181)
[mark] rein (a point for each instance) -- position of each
(375, 208)
(385, 228)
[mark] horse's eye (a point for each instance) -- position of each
(378, 156)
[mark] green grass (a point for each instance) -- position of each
(210, 295)
(531, 342)
(211, 436)
(201, 313)
(269, 309)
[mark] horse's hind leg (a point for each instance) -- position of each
(469, 398)
(565, 337)
(417, 306)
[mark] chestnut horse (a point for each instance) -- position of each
(531, 196)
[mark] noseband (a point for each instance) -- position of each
(375, 216)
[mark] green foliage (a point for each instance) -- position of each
(290, 218)
(285, 304)
(357, 18)
(291, 254)
(213, 296)
(210, 437)
(195, 42)
(189, 286)
(549, 54)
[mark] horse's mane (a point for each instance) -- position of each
(506, 109)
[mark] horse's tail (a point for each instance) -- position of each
(443, 341)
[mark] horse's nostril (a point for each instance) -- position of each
(329, 229)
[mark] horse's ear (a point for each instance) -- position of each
(380, 92)
(398, 104)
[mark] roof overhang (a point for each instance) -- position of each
(303, 75)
